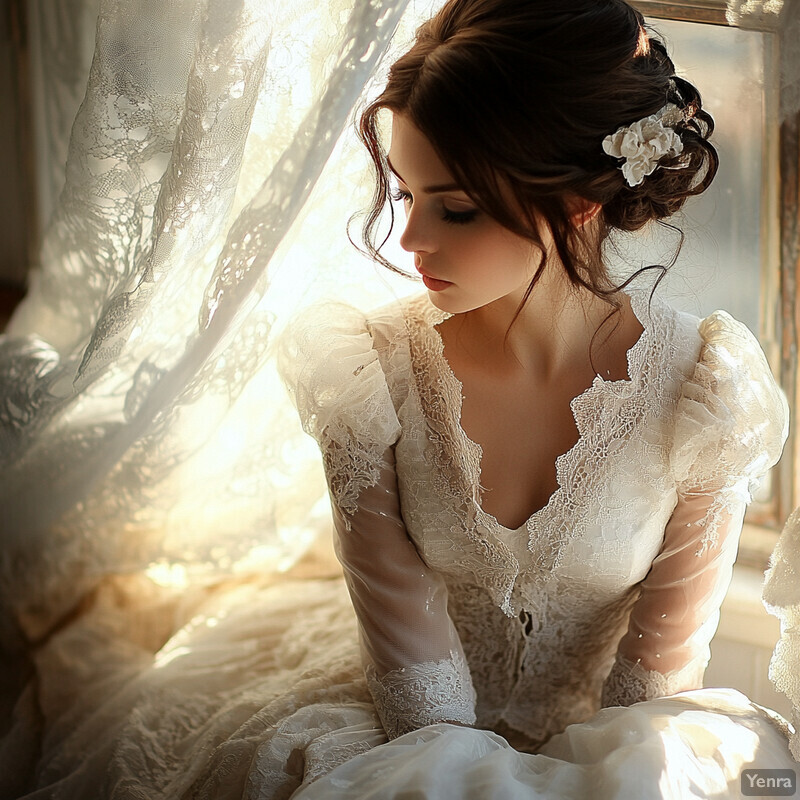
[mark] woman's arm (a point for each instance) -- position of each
(413, 658)
(730, 423)
(666, 647)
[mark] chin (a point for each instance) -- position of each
(452, 303)
(449, 305)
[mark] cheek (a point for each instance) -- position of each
(489, 243)
(513, 259)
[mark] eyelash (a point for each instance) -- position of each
(450, 217)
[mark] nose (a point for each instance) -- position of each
(417, 236)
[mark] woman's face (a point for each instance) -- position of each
(467, 259)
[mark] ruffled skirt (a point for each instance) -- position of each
(698, 744)
(260, 695)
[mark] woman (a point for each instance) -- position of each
(538, 477)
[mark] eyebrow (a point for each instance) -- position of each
(436, 188)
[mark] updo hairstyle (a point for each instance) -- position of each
(516, 97)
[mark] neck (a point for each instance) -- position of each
(552, 332)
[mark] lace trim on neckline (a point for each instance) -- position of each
(481, 541)
(452, 390)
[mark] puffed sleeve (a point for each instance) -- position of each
(413, 659)
(731, 422)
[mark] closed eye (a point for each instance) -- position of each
(448, 215)
(459, 217)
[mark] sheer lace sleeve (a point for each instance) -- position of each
(731, 422)
(665, 649)
(414, 662)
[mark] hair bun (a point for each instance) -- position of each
(667, 188)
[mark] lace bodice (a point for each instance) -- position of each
(612, 589)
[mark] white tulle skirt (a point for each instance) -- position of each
(260, 695)
(693, 745)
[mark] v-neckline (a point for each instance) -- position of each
(598, 386)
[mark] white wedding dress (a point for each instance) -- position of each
(607, 595)
(485, 654)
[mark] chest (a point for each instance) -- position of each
(598, 521)
(602, 513)
(581, 475)
(521, 427)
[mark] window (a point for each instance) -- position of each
(743, 238)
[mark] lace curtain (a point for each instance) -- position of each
(142, 424)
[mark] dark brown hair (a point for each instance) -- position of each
(516, 97)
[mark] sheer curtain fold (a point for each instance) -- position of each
(141, 418)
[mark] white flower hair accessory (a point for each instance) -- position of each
(644, 143)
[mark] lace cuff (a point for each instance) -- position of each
(412, 697)
(629, 682)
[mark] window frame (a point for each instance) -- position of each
(780, 257)
(710, 12)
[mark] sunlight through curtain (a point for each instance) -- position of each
(141, 419)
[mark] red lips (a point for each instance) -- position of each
(434, 284)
